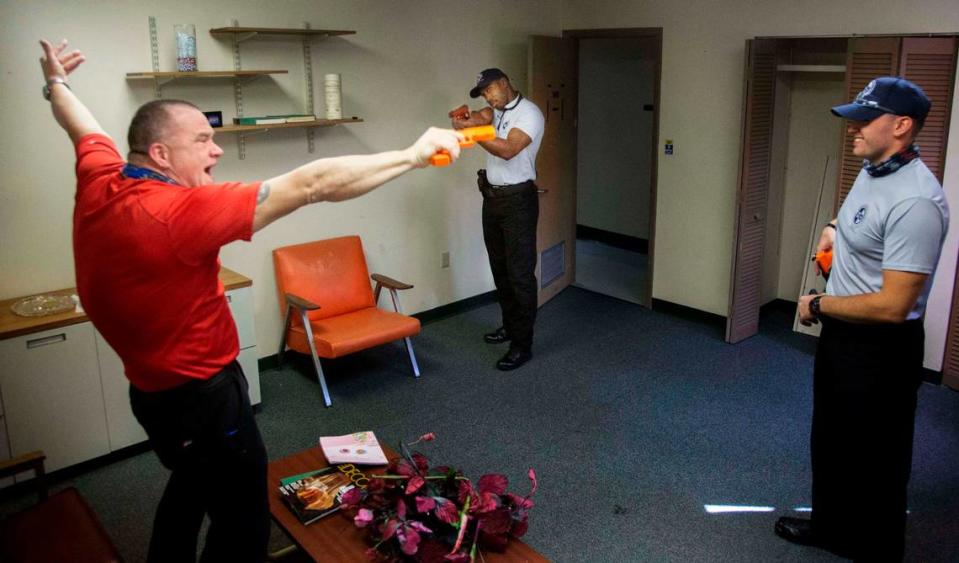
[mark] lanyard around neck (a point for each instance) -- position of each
(502, 115)
(135, 172)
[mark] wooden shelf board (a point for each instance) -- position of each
(279, 31)
(205, 74)
(298, 124)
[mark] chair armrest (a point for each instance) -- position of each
(26, 462)
(301, 303)
(390, 282)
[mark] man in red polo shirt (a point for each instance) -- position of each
(146, 236)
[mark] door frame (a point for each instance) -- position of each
(626, 33)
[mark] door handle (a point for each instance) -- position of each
(541, 190)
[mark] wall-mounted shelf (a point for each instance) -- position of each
(298, 124)
(162, 78)
(244, 33)
(237, 34)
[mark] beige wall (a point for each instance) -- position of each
(408, 64)
(701, 101)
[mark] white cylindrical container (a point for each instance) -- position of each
(334, 97)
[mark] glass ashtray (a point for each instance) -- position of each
(42, 305)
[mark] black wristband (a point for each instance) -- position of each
(814, 305)
(830, 225)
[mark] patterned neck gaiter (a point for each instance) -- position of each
(893, 163)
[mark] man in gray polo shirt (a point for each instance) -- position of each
(886, 242)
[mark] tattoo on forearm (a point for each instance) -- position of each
(262, 193)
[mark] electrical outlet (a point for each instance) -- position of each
(446, 259)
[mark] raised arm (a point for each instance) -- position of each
(346, 177)
(507, 148)
(68, 110)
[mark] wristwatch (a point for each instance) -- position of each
(51, 82)
(814, 306)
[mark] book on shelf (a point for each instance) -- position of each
(315, 494)
(264, 120)
(358, 447)
(294, 117)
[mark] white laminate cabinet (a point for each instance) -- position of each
(63, 389)
(52, 396)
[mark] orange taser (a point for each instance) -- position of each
(824, 261)
(470, 136)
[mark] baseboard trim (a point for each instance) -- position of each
(618, 240)
(932, 376)
(456, 307)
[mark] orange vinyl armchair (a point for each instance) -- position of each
(330, 309)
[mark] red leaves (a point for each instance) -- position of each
(352, 497)
(493, 483)
(446, 510)
(414, 484)
(437, 515)
(425, 504)
(421, 462)
(363, 518)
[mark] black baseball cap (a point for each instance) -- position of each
(886, 94)
(484, 78)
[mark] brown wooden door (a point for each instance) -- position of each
(552, 87)
(868, 58)
(743, 319)
(930, 62)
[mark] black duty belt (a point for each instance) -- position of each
(493, 190)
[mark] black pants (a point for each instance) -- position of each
(509, 230)
(865, 386)
(205, 433)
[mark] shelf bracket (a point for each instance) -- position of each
(238, 92)
(155, 54)
(308, 79)
(241, 37)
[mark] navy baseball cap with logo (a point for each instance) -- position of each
(887, 94)
(484, 78)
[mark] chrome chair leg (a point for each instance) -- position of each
(316, 358)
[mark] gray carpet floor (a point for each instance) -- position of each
(633, 419)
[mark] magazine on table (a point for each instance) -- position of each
(358, 447)
(318, 493)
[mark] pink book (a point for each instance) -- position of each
(358, 447)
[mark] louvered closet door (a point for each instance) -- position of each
(930, 62)
(868, 58)
(743, 319)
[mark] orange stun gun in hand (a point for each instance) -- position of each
(470, 136)
(824, 261)
(462, 112)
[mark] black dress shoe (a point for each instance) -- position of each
(498, 336)
(796, 530)
(513, 359)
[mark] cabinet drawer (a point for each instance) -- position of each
(241, 305)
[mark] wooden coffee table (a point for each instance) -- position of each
(335, 538)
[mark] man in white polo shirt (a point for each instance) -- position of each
(886, 242)
(510, 207)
